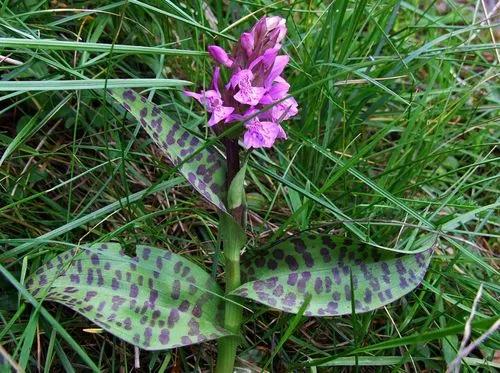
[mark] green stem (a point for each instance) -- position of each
(231, 240)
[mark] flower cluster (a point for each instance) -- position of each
(255, 93)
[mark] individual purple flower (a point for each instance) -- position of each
(261, 134)
(247, 94)
(212, 100)
(256, 92)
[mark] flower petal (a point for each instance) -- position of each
(242, 77)
(284, 110)
(279, 89)
(216, 80)
(194, 95)
(278, 67)
(219, 114)
(250, 95)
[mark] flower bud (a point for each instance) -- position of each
(247, 42)
(220, 55)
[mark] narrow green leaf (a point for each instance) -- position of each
(201, 166)
(64, 45)
(62, 85)
(419, 337)
(156, 300)
(321, 266)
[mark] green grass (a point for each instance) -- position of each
(397, 135)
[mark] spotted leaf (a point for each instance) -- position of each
(205, 171)
(324, 268)
(156, 300)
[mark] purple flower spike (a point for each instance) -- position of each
(256, 93)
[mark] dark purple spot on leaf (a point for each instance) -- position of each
(388, 293)
(159, 263)
(185, 271)
(258, 285)
(100, 278)
(400, 267)
(127, 323)
(153, 296)
(173, 317)
(318, 285)
(292, 262)
(148, 333)
(90, 276)
(164, 336)
(129, 95)
(308, 259)
(89, 295)
(289, 300)
(176, 289)
(196, 312)
(260, 261)
(331, 308)
(325, 254)
(177, 267)
(194, 327)
(271, 264)
(278, 291)
(347, 292)
(300, 247)
(184, 306)
(94, 258)
(292, 279)
(271, 282)
(279, 254)
(368, 296)
(403, 284)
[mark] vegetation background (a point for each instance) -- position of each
(397, 134)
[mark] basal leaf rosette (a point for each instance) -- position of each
(324, 267)
(156, 300)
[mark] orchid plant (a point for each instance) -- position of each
(160, 300)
